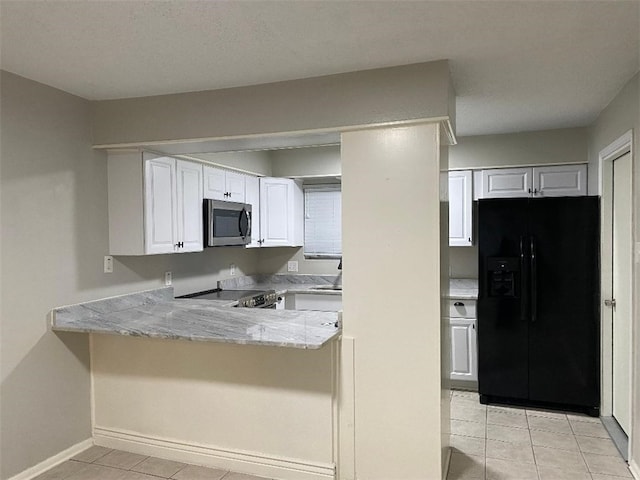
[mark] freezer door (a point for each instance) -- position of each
(564, 325)
(502, 299)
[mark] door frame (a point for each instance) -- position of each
(606, 157)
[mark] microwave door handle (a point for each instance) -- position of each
(244, 233)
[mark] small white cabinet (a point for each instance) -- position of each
(464, 347)
(155, 204)
(314, 301)
(220, 184)
(281, 212)
(460, 208)
(551, 181)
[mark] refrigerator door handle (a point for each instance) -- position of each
(523, 289)
(534, 281)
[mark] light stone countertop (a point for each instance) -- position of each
(463, 288)
(156, 314)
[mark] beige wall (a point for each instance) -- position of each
(267, 411)
(394, 353)
(307, 162)
(54, 236)
(358, 98)
(621, 115)
(258, 163)
(566, 145)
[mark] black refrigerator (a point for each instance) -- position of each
(538, 302)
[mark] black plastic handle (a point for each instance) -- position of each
(534, 281)
(523, 300)
(458, 304)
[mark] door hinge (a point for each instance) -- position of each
(610, 303)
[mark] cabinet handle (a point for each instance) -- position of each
(473, 325)
(530, 191)
(179, 245)
(458, 304)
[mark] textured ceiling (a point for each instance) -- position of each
(516, 65)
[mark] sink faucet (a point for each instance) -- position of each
(340, 264)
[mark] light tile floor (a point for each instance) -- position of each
(510, 443)
(99, 463)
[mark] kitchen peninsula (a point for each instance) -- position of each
(157, 314)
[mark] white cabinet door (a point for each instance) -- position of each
(317, 302)
(560, 181)
(214, 184)
(160, 205)
(189, 206)
(235, 187)
(252, 197)
(222, 184)
(281, 212)
(464, 355)
(460, 208)
(506, 182)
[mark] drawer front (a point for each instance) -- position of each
(462, 308)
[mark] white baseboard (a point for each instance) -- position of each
(51, 462)
(635, 469)
(447, 464)
(227, 459)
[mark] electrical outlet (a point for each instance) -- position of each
(167, 278)
(108, 264)
(292, 266)
(232, 269)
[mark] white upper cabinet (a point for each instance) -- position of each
(222, 184)
(189, 206)
(155, 204)
(560, 181)
(506, 182)
(252, 197)
(160, 205)
(460, 208)
(281, 212)
(551, 181)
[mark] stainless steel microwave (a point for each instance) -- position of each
(226, 223)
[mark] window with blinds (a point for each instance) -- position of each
(323, 221)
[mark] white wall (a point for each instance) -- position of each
(391, 358)
(621, 115)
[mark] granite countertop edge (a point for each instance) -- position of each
(156, 314)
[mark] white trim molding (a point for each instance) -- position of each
(252, 463)
(635, 469)
(51, 462)
(618, 147)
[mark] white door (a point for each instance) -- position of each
(506, 183)
(622, 278)
(463, 349)
(159, 205)
(189, 206)
(460, 208)
(274, 211)
(560, 181)
(214, 183)
(235, 187)
(252, 197)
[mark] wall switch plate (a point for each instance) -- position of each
(167, 278)
(232, 269)
(108, 264)
(292, 266)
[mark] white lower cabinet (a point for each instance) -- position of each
(314, 301)
(464, 346)
(281, 212)
(155, 204)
